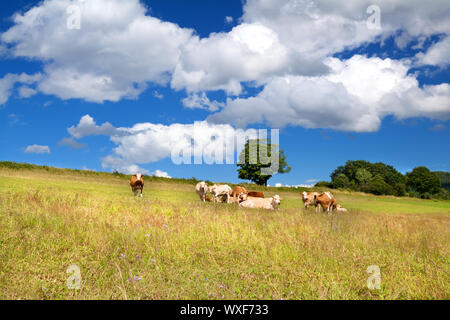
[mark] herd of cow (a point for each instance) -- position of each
(253, 199)
(248, 199)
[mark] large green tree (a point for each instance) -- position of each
(422, 180)
(251, 163)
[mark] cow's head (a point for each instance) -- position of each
(138, 176)
(276, 200)
(242, 197)
(212, 188)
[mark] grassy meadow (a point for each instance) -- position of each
(169, 245)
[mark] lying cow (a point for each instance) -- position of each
(326, 201)
(339, 208)
(255, 194)
(261, 203)
(137, 183)
(202, 189)
(308, 199)
(219, 191)
(239, 194)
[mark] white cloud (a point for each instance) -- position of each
(229, 19)
(161, 174)
(70, 142)
(158, 95)
(37, 149)
(355, 96)
(9, 80)
(115, 53)
(88, 127)
(147, 142)
(438, 54)
(201, 101)
(26, 92)
(249, 52)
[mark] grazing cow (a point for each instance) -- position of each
(326, 201)
(239, 194)
(261, 203)
(308, 199)
(137, 183)
(202, 188)
(219, 191)
(255, 194)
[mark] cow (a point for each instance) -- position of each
(261, 203)
(219, 191)
(308, 199)
(326, 201)
(339, 208)
(137, 183)
(239, 194)
(202, 189)
(255, 194)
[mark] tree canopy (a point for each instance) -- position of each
(251, 163)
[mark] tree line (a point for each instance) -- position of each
(382, 179)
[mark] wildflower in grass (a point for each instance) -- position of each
(136, 279)
(223, 296)
(147, 235)
(128, 280)
(138, 257)
(153, 261)
(123, 256)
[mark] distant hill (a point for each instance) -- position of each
(445, 179)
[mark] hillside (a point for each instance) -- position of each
(169, 245)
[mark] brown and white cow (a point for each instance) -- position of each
(239, 194)
(255, 194)
(326, 201)
(308, 199)
(137, 183)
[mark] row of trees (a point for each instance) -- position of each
(377, 178)
(382, 179)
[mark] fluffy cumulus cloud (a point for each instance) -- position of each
(249, 52)
(116, 51)
(161, 174)
(147, 143)
(88, 127)
(286, 47)
(354, 96)
(37, 149)
(437, 55)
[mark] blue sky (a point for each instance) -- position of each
(343, 92)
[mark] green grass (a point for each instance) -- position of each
(184, 249)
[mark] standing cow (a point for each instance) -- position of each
(202, 189)
(220, 191)
(308, 199)
(137, 183)
(326, 201)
